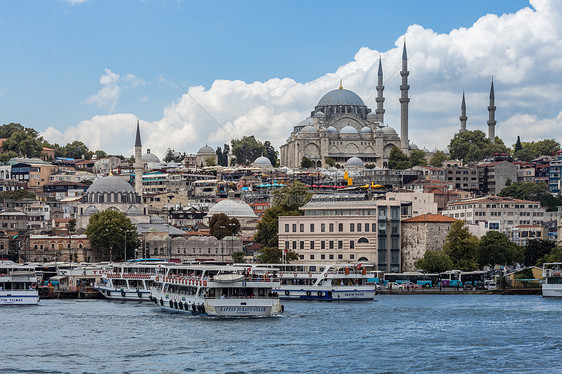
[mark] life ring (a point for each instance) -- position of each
(108, 293)
(122, 293)
(139, 294)
(308, 293)
(287, 293)
(319, 293)
(171, 304)
(193, 308)
(161, 302)
(295, 275)
(310, 275)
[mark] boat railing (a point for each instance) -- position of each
(273, 295)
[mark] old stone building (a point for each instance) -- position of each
(420, 234)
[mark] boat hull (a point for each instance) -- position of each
(552, 290)
(19, 297)
(334, 294)
(124, 294)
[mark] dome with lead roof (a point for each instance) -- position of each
(308, 130)
(150, 157)
(389, 130)
(366, 130)
(354, 162)
(262, 162)
(340, 97)
(110, 184)
(348, 130)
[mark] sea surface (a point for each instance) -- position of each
(393, 334)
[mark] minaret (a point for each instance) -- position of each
(138, 165)
(463, 116)
(404, 100)
(492, 115)
(380, 97)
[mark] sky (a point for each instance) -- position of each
(204, 72)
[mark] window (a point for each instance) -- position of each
(363, 240)
(352, 227)
(294, 244)
(331, 244)
(311, 244)
(352, 257)
(323, 227)
(286, 244)
(312, 227)
(331, 227)
(322, 257)
(340, 227)
(366, 227)
(301, 244)
(294, 227)
(331, 257)
(322, 244)
(340, 257)
(359, 227)
(351, 244)
(301, 227)
(373, 227)
(286, 227)
(312, 257)
(340, 244)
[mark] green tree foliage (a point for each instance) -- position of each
(221, 225)
(438, 158)
(536, 249)
(462, 247)
(306, 162)
(517, 146)
(270, 152)
(329, 161)
(268, 226)
(274, 255)
(172, 155)
(76, 150)
(7, 156)
(554, 256)
(417, 158)
(108, 231)
(239, 257)
(474, 146)
(398, 160)
(292, 197)
(247, 149)
(534, 192)
(210, 161)
(23, 141)
(16, 195)
(496, 248)
(434, 262)
(101, 154)
(532, 150)
(222, 159)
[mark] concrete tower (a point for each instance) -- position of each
(138, 165)
(463, 116)
(492, 115)
(380, 98)
(404, 100)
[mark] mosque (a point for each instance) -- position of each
(341, 126)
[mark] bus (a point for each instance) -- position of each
(451, 278)
(422, 279)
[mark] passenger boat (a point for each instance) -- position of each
(323, 282)
(552, 282)
(18, 285)
(219, 291)
(129, 281)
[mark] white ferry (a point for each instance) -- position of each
(324, 282)
(18, 285)
(552, 283)
(129, 281)
(219, 291)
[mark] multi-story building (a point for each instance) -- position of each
(432, 172)
(463, 177)
(345, 231)
(494, 176)
(526, 173)
(542, 166)
(494, 213)
(555, 174)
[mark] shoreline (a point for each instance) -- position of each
(424, 291)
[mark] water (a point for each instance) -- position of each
(394, 334)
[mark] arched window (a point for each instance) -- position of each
(363, 240)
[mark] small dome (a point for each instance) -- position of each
(305, 122)
(413, 146)
(308, 130)
(150, 157)
(426, 150)
(354, 162)
(434, 150)
(366, 130)
(388, 130)
(110, 184)
(206, 150)
(319, 114)
(262, 162)
(232, 208)
(348, 130)
(340, 97)
(332, 129)
(372, 115)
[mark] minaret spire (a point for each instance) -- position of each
(463, 116)
(404, 100)
(341, 85)
(380, 97)
(492, 115)
(138, 165)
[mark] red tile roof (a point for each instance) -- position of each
(434, 218)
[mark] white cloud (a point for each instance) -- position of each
(74, 2)
(112, 87)
(521, 51)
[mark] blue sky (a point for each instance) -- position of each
(85, 69)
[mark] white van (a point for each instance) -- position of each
(490, 285)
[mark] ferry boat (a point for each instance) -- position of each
(18, 285)
(324, 282)
(129, 281)
(218, 291)
(552, 283)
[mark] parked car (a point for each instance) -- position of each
(394, 286)
(490, 285)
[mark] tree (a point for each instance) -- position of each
(268, 226)
(534, 192)
(270, 152)
(247, 149)
(329, 161)
(306, 162)
(292, 197)
(221, 225)
(169, 155)
(210, 161)
(239, 257)
(221, 160)
(474, 146)
(417, 158)
(76, 150)
(554, 256)
(517, 146)
(398, 160)
(496, 248)
(434, 262)
(537, 249)
(110, 232)
(273, 255)
(100, 154)
(16, 195)
(437, 159)
(532, 150)
(461, 247)
(7, 156)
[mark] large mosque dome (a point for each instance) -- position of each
(205, 150)
(150, 157)
(340, 97)
(232, 208)
(110, 189)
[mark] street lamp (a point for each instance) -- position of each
(125, 250)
